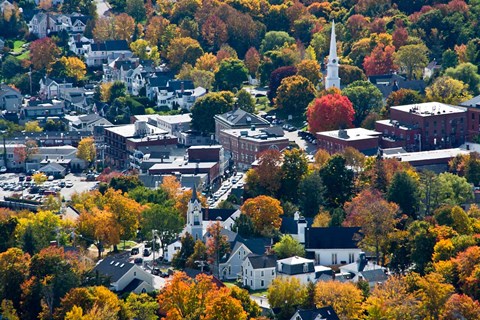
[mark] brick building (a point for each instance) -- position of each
(123, 141)
(243, 146)
(237, 119)
(473, 117)
(424, 126)
(365, 141)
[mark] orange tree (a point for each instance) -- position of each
(265, 213)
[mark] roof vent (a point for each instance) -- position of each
(121, 266)
(116, 264)
(112, 262)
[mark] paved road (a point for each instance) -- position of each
(102, 7)
(261, 301)
(303, 144)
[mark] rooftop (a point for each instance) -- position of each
(428, 109)
(427, 155)
(239, 117)
(351, 134)
(255, 134)
(115, 269)
(295, 260)
(262, 261)
(182, 165)
(128, 130)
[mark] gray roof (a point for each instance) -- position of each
(262, 262)
(134, 284)
(474, 102)
(113, 268)
(332, 238)
(52, 167)
(325, 313)
(239, 117)
(377, 275)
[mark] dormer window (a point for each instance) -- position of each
(305, 267)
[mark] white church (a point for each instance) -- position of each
(332, 79)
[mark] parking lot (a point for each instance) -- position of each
(10, 184)
(223, 192)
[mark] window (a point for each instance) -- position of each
(351, 257)
(305, 267)
(317, 258)
(251, 273)
(262, 274)
(273, 272)
(135, 273)
(334, 258)
(262, 283)
(251, 283)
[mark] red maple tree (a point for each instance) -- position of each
(330, 112)
(380, 61)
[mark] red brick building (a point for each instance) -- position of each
(424, 126)
(244, 146)
(473, 117)
(365, 141)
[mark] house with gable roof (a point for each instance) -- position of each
(325, 313)
(125, 276)
(258, 271)
(362, 269)
(105, 52)
(332, 245)
(237, 119)
(10, 98)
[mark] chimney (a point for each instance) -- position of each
(182, 87)
(362, 261)
(252, 127)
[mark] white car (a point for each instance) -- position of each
(68, 183)
(3, 169)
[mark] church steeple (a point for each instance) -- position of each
(332, 79)
(194, 216)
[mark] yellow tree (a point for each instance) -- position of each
(33, 126)
(391, 300)
(433, 294)
(155, 29)
(105, 91)
(86, 150)
(74, 67)
(123, 27)
(309, 69)
(447, 90)
(345, 298)
(183, 50)
(39, 178)
(207, 62)
(182, 202)
(103, 29)
(171, 186)
(265, 213)
(286, 293)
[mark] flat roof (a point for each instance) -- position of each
(215, 146)
(427, 155)
(253, 135)
(429, 109)
(182, 165)
(128, 130)
(393, 123)
(351, 134)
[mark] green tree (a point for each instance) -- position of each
(180, 258)
(136, 9)
(274, 40)
(310, 194)
(166, 220)
(454, 217)
(413, 58)
(288, 247)
(141, 307)
(365, 97)
(230, 74)
(453, 189)
(422, 240)
(117, 90)
(286, 293)
(245, 101)
(449, 59)
(403, 190)
(349, 74)
(338, 181)
(468, 74)
(294, 95)
(207, 107)
(294, 169)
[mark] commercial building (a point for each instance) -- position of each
(424, 126)
(365, 141)
(243, 147)
(237, 119)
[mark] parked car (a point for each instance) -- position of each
(134, 251)
(68, 184)
(138, 261)
(62, 184)
(156, 271)
(28, 178)
(3, 169)
(21, 178)
(146, 252)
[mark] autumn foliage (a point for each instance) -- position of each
(265, 213)
(330, 112)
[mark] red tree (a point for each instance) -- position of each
(400, 37)
(330, 112)
(43, 53)
(380, 61)
(356, 24)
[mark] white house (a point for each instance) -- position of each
(298, 267)
(105, 52)
(325, 313)
(125, 276)
(295, 226)
(10, 98)
(44, 23)
(332, 245)
(363, 269)
(86, 122)
(258, 271)
(50, 88)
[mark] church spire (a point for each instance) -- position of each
(332, 79)
(194, 193)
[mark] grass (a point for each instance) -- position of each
(128, 244)
(25, 55)
(229, 284)
(17, 45)
(258, 293)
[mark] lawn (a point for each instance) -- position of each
(17, 45)
(259, 293)
(128, 245)
(25, 55)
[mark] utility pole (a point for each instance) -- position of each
(154, 233)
